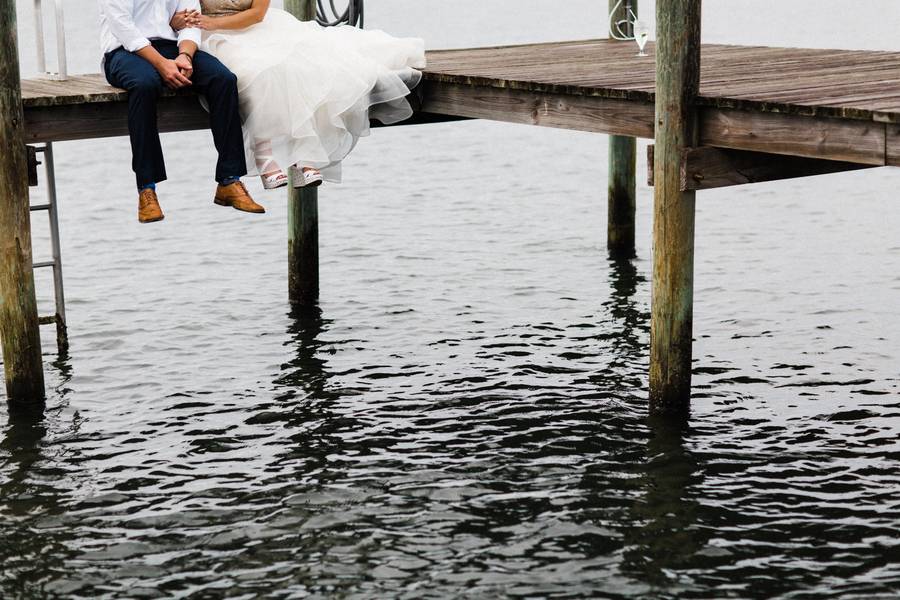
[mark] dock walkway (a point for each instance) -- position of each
(828, 104)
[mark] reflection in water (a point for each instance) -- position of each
(306, 371)
(664, 537)
(33, 549)
(624, 332)
(307, 402)
(507, 461)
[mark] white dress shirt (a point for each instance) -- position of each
(133, 23)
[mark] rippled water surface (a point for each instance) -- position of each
(464, 415)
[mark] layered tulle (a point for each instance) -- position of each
(310, 90)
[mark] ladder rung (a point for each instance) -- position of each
(36, 207)
(46, 320)
(41, 265)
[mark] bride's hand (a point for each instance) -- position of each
(184, 19)
(204, 22)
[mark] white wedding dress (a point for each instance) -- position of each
(309, 90)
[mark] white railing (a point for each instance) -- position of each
(61, 73)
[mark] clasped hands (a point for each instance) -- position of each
(184, 19)
(177, 73)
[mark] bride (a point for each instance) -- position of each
(306, 91)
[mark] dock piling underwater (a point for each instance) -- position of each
(19, 325)
(672, 295)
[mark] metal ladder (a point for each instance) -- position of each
(59, 318)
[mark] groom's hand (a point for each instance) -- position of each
(171, 74)
(168, 70)
(185, 65)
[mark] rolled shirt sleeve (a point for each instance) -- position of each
(121, 24)
(191, 34)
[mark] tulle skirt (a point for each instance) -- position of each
(307, 92)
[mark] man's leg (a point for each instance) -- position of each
(219, 85)
(133, 73)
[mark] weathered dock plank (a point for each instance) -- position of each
(563, 111)
(892, 145)
(707, 168)
(855, 141)
(763, 79)
(830, 104)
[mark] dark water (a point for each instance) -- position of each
(464, 415)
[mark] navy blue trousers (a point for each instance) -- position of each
(210, 78)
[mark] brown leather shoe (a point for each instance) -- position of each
(148, 207)
(237, 196)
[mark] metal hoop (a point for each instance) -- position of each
(329, 15)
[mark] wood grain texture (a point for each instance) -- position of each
(108, 119)
(706, 168)
(590, 85)
(305, 10)
(845, 84)
(19, 328)
(835, 139)
(594, 114)
(892, 145)
(672, 294)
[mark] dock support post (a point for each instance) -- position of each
(622, 189)
(677, 87)
(19, 332)
(303, 214)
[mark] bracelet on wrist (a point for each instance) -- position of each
(190, 56)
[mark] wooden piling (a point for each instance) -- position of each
(621, 193)
(19, 333)
(677, 87)
(303, 214)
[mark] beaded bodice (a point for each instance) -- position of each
(218, 8)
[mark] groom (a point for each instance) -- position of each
(142, 54)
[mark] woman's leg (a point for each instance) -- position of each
(265, 161)
(271, 174)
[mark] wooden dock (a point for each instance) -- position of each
(829, 104)
(740, 115)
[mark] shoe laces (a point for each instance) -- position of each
(147, 196)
